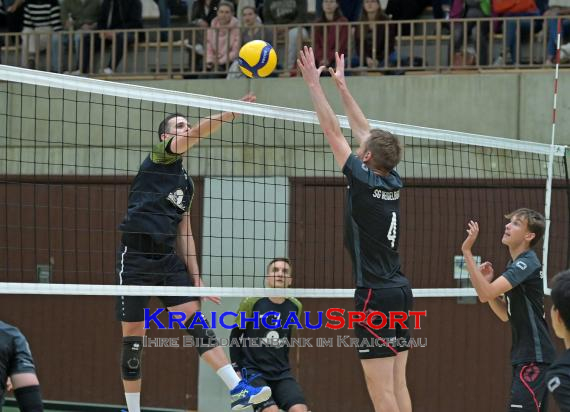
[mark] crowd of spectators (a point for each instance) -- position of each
(223, 25)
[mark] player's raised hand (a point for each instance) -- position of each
(487, 270)
(306, 63)
(250, 98)
(338, 72)
(472, 233)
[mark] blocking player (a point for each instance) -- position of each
(158, 249)
(270, 361)
(372, 227)
(522, 305)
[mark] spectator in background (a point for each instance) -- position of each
(290, 12)
(517, 30)
(163, 17)
(351, 9)
(325, 48)
(201, 16)
(222, 44)
(12, 14)
(559, 10)
(115, 15)
(370, 38)
(203, 12)
(41, 17)
(77, 16)
(467, 9)
(241, 4)
(251, 29)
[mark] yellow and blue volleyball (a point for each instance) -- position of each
(257, 59)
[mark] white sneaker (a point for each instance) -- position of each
(198, 48)
(565, 53)
(108, 71)
(500, 61)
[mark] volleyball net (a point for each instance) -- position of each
(266, 185)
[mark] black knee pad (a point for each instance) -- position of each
(204, 339)
(29, 398)
(131, 358)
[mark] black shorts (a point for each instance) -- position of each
(384, 342)
(136, 268)
(15, 355)
(285, 393)
(528, 389)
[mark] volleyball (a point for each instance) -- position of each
(257, 59)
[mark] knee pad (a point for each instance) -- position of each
(131, 358)
(204, 339)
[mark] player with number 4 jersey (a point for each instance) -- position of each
(372, 226)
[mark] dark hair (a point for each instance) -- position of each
(534, 220)
(560, 295)
(337, 14)
(163, 126)
(278, 259)
(380, 15)
(385, 148)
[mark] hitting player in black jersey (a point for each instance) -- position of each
(523, 305)
(269, 359)
(158, 249)
(16, 363)
(558, 376)
(372, 227)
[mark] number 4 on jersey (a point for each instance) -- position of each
(392, 230)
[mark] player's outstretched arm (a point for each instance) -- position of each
(356, 119)
(486, 289)
(181, 143)
(327, 118)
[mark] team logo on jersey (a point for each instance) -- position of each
(521, 265)
(177, 198)
(553, 384)
(364, 167)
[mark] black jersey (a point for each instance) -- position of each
(15, 355)
(525, 307)
(558, 381)
(266, 350)
(372, 226)
(160, 194)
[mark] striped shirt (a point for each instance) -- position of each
(42, 13)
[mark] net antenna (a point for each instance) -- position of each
(446, 159)
(548, 193)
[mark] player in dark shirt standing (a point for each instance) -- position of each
(372, 227)
(16, 363)
(158, 249)
(270, 360)
(523, 305)
(558, 376)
